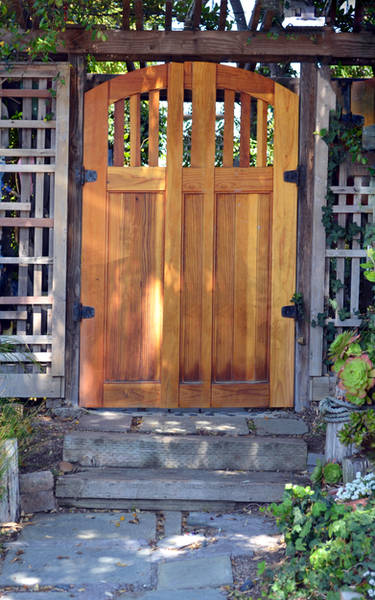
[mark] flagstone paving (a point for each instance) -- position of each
(103, 555)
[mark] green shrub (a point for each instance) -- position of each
(328, 546)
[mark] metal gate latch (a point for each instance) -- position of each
(82, 312)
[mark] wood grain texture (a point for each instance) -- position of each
(245, 131)
(143, 179)
(153, 128)
(59, 210)
(226, 46)
(262, 109)
(250, 179)
(138, 81)
(172, 257)
(203, 155)
(284, 215)
(224, 288)
(134, 286)
(93, 245)
(245, 305)
(117, 395)
(119, 128)
(240, 394)
(247, 82)
(78, 79)
(192, 288)
(228, 128)
(326, 99)
(263, 288)
(135, 130)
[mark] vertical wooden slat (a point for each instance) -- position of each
(135, 130)
(52, 214)
(262, 109)
(228, 128)
(245, 130)
(153, 129)
(263, 255)
(284, 218)
(355, 267)
(172, 256)
(340, 262)
(203, 156)
(119, 127)
(39, 210)
(77, 86)
(60, 213)
(94, 233)
(224, 287)
(191, 310)
(26, 190)
(245, 265)
(326, 101)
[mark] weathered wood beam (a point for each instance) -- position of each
(219, 46)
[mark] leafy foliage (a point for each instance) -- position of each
(330, 473)
(328, 546)
(360, 431)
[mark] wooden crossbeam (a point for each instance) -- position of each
(221, 46)
(21, 93)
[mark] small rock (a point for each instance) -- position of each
(65, 467)
(247, 585)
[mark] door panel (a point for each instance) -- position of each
(134, 286)
(241, 304)
(188, 266)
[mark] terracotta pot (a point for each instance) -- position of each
(360, 503)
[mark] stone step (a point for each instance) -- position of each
(136, 450)
(172, 488)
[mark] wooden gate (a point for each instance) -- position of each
(188, 267)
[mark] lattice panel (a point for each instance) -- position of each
(344, 282)
(34, 131)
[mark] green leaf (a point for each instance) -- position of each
(261, 566)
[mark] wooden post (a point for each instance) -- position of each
(78, 74)
(326, 102)
(307, 112)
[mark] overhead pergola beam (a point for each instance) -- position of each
(222, 46)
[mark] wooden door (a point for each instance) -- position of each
(189, 245)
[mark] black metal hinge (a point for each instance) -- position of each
(289, 312)
(82, 312)
(295, 176)
(85, 175)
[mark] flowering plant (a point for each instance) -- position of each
(362, 486)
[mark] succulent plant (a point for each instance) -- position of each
(343, 346)
(357, 378)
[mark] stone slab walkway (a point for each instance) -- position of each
(100, 555)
